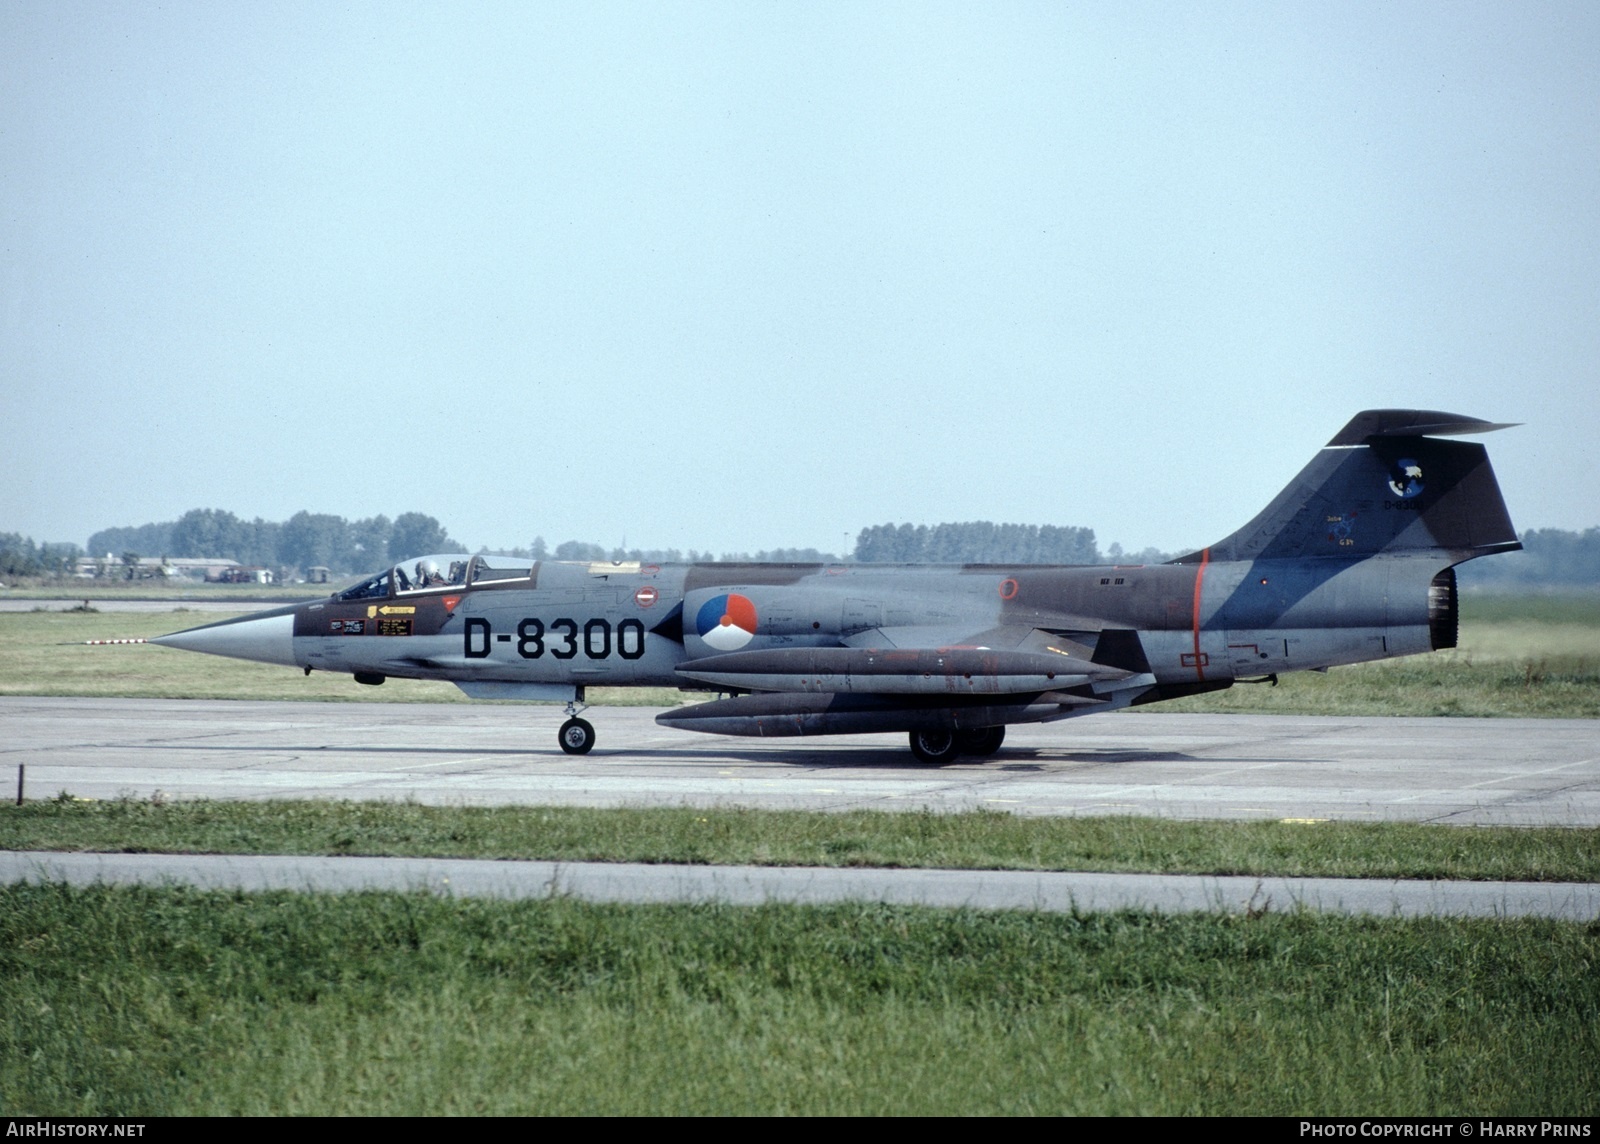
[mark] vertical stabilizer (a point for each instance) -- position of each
(1386, 483)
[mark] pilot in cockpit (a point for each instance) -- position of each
(428, 574)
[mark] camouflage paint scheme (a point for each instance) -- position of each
(1351, 562)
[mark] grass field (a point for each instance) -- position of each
(46, 588)
(736, 836)
(138, 1002)
(1523, 656)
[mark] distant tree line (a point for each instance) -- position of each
(967, 542)
(308, 540)
(1549, 556)
(976, 542)
(1115, 555)
(20, 556)
(305, 540)
(581, 550)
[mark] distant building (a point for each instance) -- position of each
(213, 571)
(245, 574)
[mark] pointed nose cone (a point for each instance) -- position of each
(266, 639)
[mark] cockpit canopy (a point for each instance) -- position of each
(431, 572)
(441, 571)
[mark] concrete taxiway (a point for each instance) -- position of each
(1460, 771)
(1054, 892)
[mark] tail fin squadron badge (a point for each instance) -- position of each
(1405, 478)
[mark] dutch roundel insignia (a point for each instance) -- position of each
(727, 622)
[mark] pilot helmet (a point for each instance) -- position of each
(427, 569)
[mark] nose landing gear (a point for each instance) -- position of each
(576, 735)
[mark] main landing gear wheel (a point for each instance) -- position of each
(576, 736)
(981, 742)
(935, 747)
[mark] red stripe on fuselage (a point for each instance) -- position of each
(1199, 578)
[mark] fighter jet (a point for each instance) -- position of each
(1353, 561)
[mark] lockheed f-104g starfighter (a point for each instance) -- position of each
(1353, 561)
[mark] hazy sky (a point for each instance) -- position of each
(738, 276)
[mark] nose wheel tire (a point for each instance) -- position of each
(576, 736)
(934, 747)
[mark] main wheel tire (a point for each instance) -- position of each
(934, 747)
(576, 736)
(981, 742)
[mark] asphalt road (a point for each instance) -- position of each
(755, 885)
(1460, 771)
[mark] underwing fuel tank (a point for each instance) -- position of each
(912, 671)
(790, 714)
